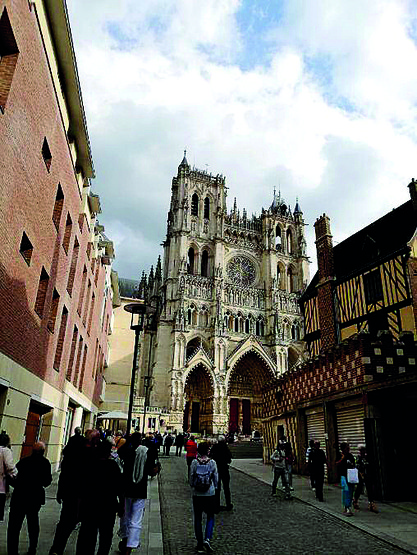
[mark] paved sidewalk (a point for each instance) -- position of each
(396, 523)
(151, 539)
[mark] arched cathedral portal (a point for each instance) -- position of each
(198, 397)
(247, 379)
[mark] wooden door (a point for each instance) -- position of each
(33, 422)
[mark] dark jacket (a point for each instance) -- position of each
(348, 461)
(34, 475)
(220, 453)
(127, 453)
(317, 460)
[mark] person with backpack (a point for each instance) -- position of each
(204, 481)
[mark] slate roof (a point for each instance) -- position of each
(377, 241)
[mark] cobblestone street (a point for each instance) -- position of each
(258, 523)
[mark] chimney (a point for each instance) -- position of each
(325, 294)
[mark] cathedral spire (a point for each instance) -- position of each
(184, 160)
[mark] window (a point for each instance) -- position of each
(290, 281)
(46, 154)
(194, 205)
(87, 303)
(72, 352)
(54, 311)
(90, 319)
(61, 339)
(95, 359)
(373, 287)
(204, 264)
(80, 385)
(8, 58)
(278, 238)
(73, 266)
(41, 295)
(83, 284)
(190, 265)
(289, 242)
(67, 234)
(206, 208)
(58, 206)
(26, 248)
(77, 364)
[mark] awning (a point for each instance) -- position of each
(113, 415)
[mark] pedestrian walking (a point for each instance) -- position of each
(289, 460)
(203, 481)
(317, 462)
(280, 469)
(179, 444)
(69, 493)
(101, 501)
(221, 454)
(33, 476)
(190, 451)
(119, 440)
(309, 450)
(345, 463)
(366, 479)
(169, 440)
(8, 470)
(138, 463)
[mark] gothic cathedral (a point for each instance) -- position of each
(227, 318)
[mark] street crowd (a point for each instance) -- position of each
(104, 475)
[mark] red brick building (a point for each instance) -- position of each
(360, 382)
(57, 288)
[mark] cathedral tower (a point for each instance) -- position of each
(228, 319)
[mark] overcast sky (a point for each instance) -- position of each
(316, 97)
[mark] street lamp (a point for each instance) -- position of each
(148, 385)
(137, 311)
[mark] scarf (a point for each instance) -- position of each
(139, 464)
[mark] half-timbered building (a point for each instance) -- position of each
(360, 382)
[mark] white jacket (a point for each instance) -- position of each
(7, 467)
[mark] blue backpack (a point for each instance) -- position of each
(202, 477)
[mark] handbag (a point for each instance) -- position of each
(352, 476)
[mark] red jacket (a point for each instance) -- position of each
(191, 449)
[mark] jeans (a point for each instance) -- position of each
(347, 492)
(96, 522)
(67, 522)
(281, 472)
(224, 478)
(131, 521)
(206, 504)
(18, 512)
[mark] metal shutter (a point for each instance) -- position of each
(350, 426)
(316, 430)
(315, 426)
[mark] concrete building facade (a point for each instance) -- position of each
(57, 287)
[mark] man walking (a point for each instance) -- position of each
(34, 475)
(138, 463)
(317, 462)
(179, 444)
(220, 453)
(280, 469)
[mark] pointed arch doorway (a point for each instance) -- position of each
(247, 379)
(199, 396)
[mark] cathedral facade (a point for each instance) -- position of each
(226, 316)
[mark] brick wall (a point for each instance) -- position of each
(28, 191)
